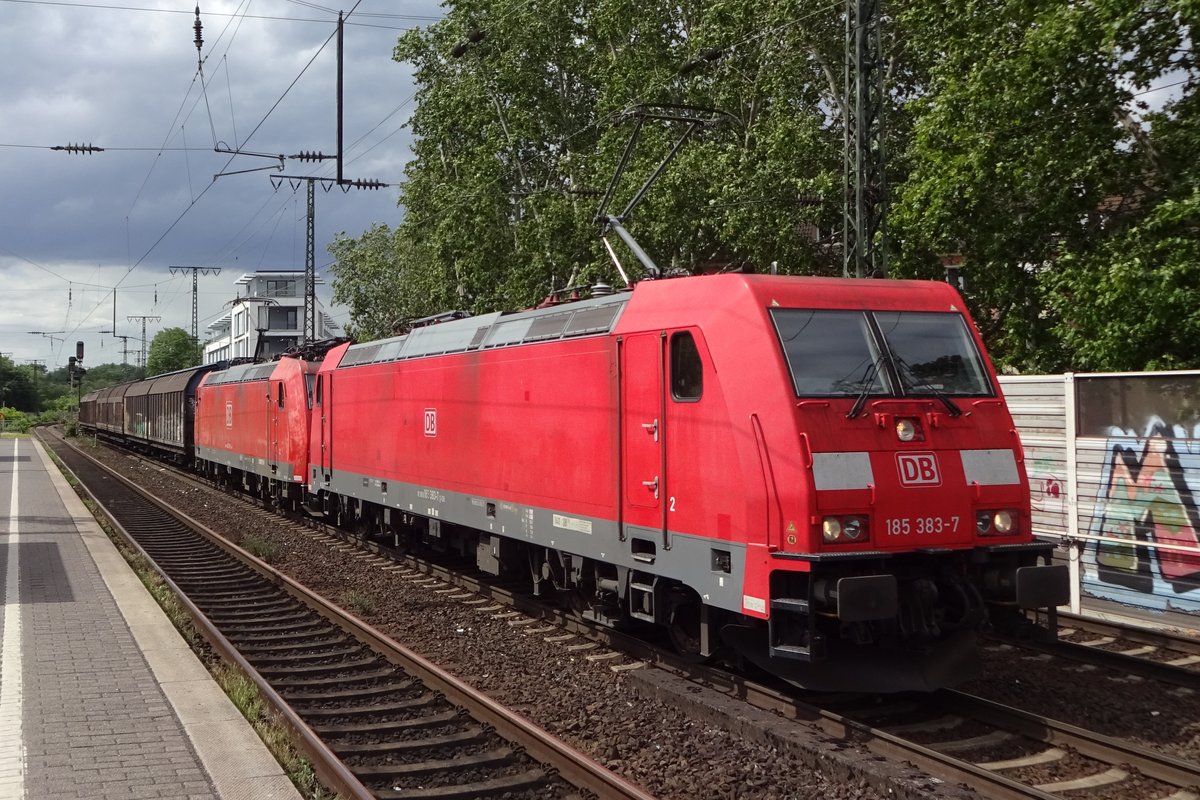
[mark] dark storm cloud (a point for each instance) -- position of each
(73, 224)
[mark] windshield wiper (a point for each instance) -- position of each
(919, 383)
(868, 382)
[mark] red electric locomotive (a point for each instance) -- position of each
(252, 424)
(821, 474)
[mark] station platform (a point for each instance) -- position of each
(99, 695)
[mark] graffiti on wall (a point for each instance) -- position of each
(1047, 485)
(1149, 486)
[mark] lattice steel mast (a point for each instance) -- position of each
(864, 235)
(310, 270)
(196, 272)
(144, 318)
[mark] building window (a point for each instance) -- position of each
(280, 288)
(283, 319)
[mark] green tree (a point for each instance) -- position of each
(172, 349)
(54, 386)
(102, 375)
(519, 127)
(1133, 302)
(1033, 159)
(17, 388)
(1018, 136)
(382, 279)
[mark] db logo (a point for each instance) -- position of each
(431, 422)
(918, 469)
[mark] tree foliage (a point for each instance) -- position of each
(1033, 156)
(103, 375)
(29, 389)
(520, 130)
(384, 281)
(1134, 299)
(17, 387)
(1018, 136)
(172, 349)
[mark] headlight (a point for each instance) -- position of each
(854, 529)
(844, 530)
(906, 430)
(995, 523)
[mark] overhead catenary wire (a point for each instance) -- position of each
(206, 189)
(397, 109)
(198, 197)
(171, 127)
(229, 92)
(163, 148)
(267, 17)
(271, 110)
(238, 16)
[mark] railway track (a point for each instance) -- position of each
(1014, 753)
(1149, 654)
(377, 720)
(1001, 752)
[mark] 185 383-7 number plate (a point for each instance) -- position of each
(905, 526)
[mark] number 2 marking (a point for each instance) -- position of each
(672, 502)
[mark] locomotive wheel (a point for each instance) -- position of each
(577, 602)
(684, 630)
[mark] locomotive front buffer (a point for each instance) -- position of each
(903, 620)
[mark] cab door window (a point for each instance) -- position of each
(687, 370)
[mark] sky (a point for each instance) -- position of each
(80, 229)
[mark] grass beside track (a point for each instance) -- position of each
(241, 691)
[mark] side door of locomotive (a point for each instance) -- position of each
(685, 431)
(642, 412)
(276, 424)
(325, 424)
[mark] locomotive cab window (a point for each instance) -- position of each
(280, 395)
(687, 371)
(834, 353)
(830, 353)
(933, 353)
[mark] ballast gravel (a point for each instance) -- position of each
(660, 737)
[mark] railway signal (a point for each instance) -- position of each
(75, 370)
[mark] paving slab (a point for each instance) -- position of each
(99, 695)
